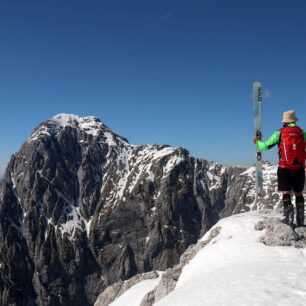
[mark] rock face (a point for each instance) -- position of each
(81, 208)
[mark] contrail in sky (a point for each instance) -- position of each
(163, 17)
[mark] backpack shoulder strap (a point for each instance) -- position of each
(280, 136)
(300, 130)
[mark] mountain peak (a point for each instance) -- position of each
(90, 125)
(62, 120)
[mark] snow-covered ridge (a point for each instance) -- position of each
(236, 268)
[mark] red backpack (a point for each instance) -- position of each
(291, 148)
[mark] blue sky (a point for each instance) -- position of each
(171, 72)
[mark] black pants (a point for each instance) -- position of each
(291, 179)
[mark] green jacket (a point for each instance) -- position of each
(272, 141)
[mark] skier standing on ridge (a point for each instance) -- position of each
(291, 168)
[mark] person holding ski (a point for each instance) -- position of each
(291, 168)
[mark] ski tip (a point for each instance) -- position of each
(257, 84)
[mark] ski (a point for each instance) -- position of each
(257, 98)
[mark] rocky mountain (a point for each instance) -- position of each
(81, 208)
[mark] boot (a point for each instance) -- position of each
(299, 215)
(299, 210)
(288, 210)
(288, 214)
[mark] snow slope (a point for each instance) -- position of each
(134, 295)
(235, 268)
